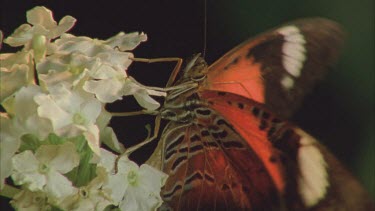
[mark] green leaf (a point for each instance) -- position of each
(55, 139)
(29, 142)
(85, 171)
(80, 143)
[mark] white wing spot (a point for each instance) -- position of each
(313, 179)
(287, 30)
(293, 49)
(292, 65)
(287, 82)
(296, 38)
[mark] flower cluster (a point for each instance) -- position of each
(51, 141)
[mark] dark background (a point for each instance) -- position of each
(340, 112)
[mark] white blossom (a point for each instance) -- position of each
(27, 200)
(72, 113)
(24, 120)
(42, 26)
(109, 55)
(133, 187)
(43, 171)
(89, 197)
(54, 91)
(16, 71)
(67, 68)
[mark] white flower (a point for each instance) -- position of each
(24, 120)
(68, 68)
(108, 55)
(89, 197)
(143, 191)
(107, 76)
(44, 170)
(126, 42)
(9, 144)
(72, 113)
(42, 25)
(133, 187)
(107, 135)
(30, 201)
(108, 87)
(16, 71)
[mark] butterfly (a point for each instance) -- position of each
(227, 145)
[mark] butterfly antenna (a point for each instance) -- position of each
(204, 29)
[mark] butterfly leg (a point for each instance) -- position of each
(169, 83)
(149, 138)
(175, 71)
(133, 113)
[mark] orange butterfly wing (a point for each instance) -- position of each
(278, 67)
(309, 176)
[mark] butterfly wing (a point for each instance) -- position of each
(278, 67)
(314, 179)
(211, 167)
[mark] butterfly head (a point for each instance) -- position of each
(195, 70)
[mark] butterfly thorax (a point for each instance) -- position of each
(181, 103)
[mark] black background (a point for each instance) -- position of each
(340, 112)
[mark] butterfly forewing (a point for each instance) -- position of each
(279, 67)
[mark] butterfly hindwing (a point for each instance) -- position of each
(314, 178)
(278, 67)
(211, 167)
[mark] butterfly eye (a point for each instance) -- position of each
(198, 77)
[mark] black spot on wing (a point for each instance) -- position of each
(231, 144)
(175, 143)
(178, 162)
(195, 138)
(221, 134)
(234, 61)
(205, 133)
(195, 148)
(263, 125)
(171, 193)
(240, 105)
(255, 111)
(169, 154)
(195, 176)
(203, 112)
(268, 51)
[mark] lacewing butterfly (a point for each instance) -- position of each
(227, 145)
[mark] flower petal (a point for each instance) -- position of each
(107, 91)
(62, 158)
(58, 185)
(92, 137)
(126, 42)
(146, 101)
(152, 178)
(65, 24)
(25, 168)
(41, 16)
